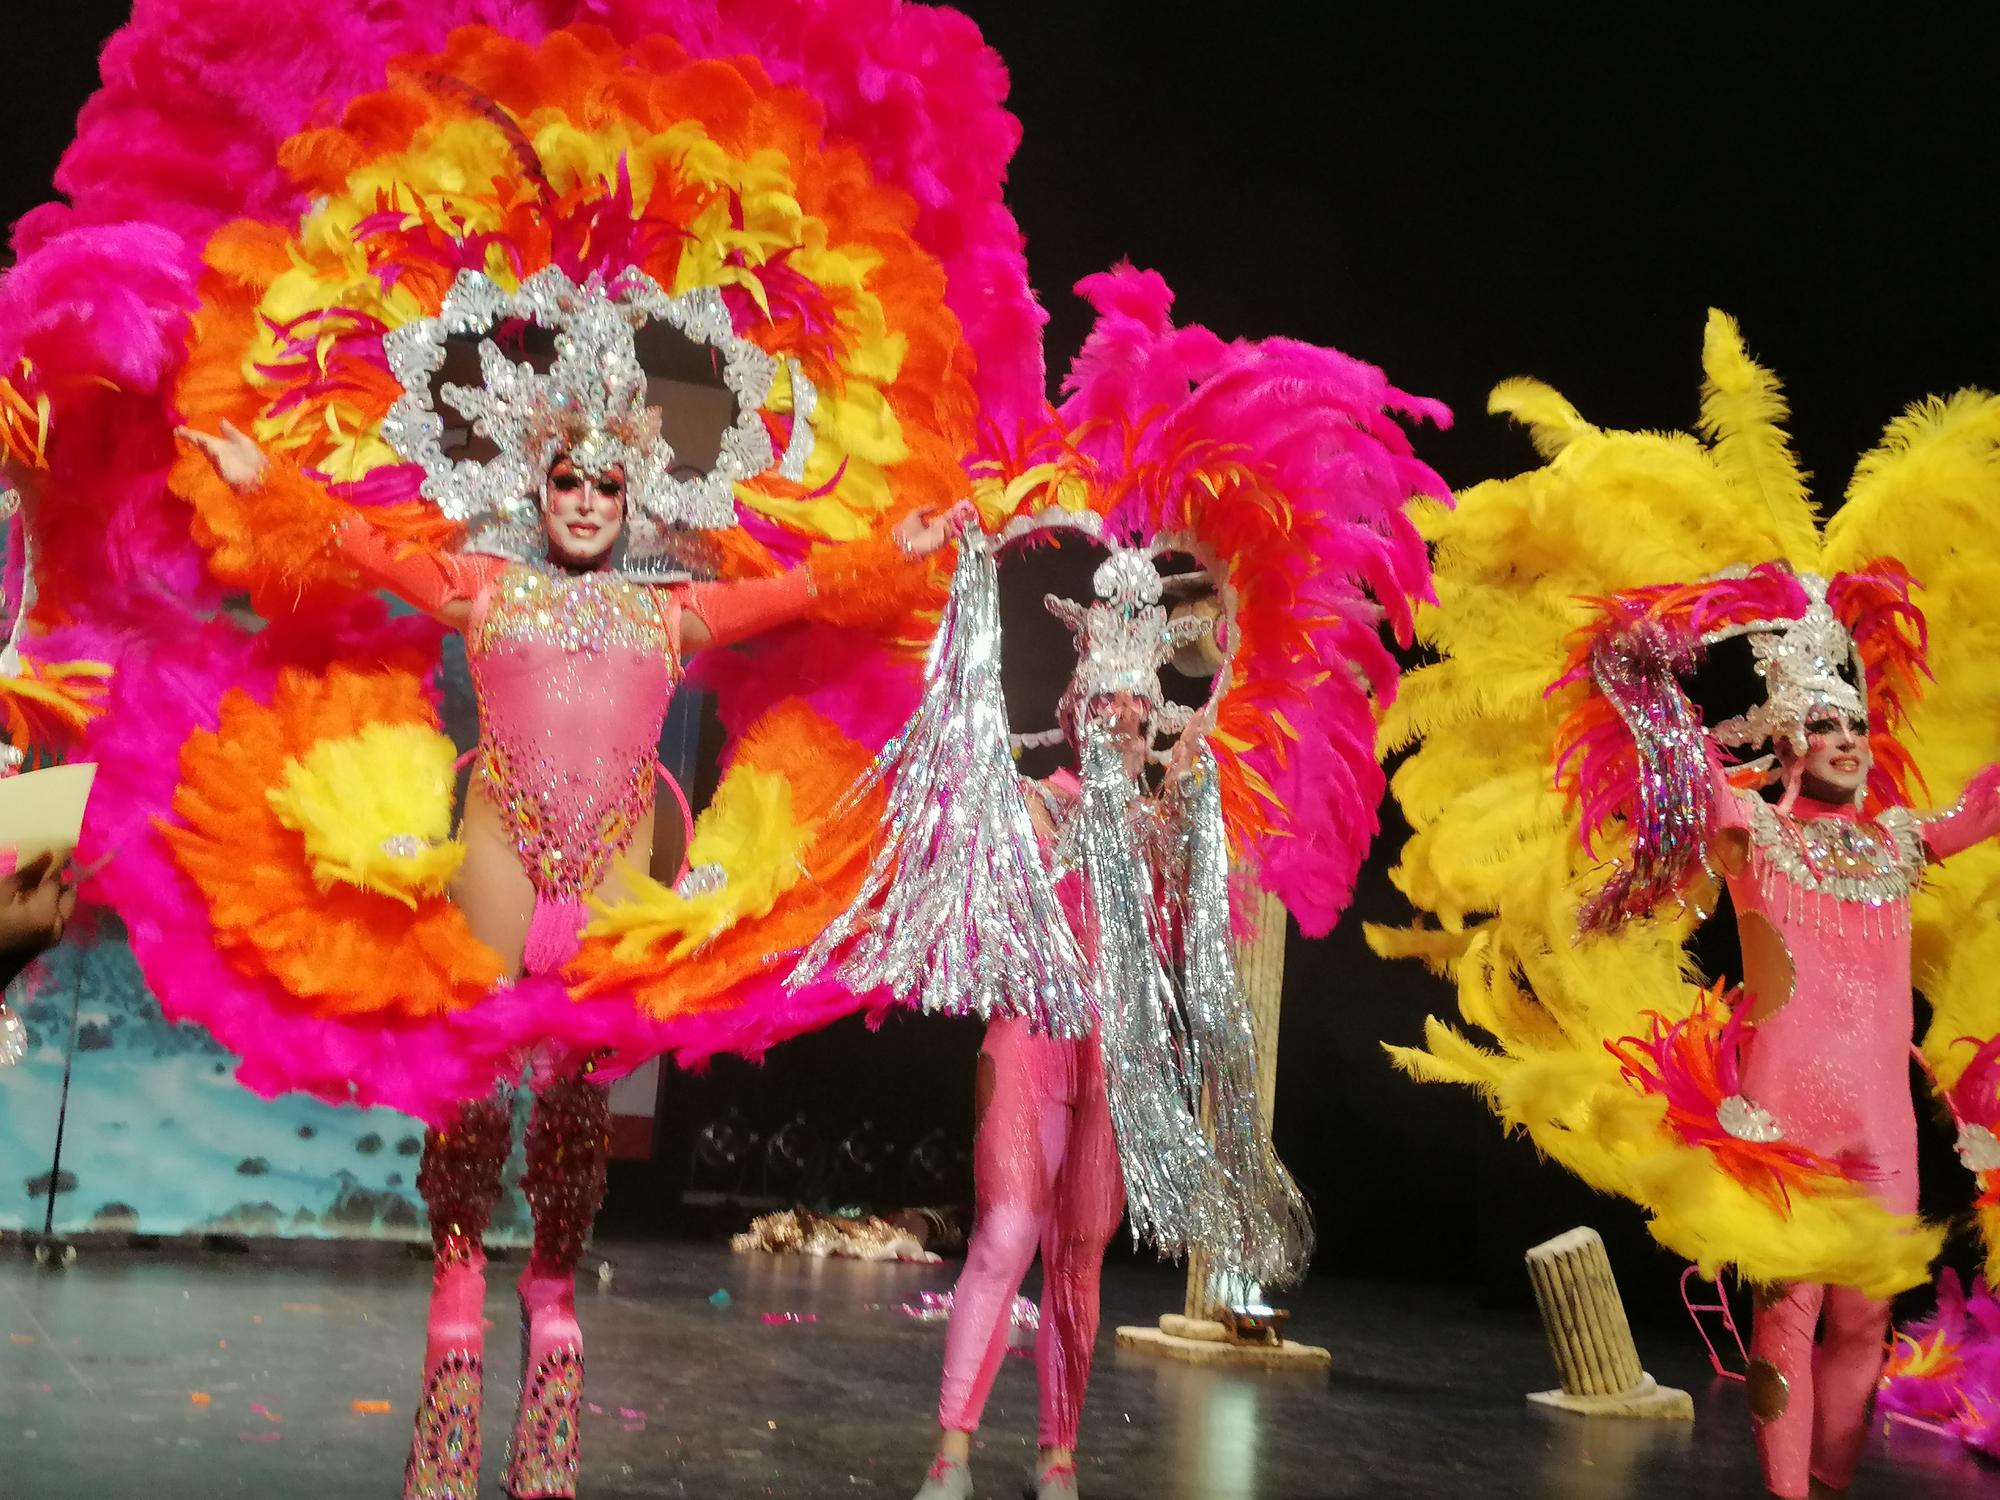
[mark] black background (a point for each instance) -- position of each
(1459, 193)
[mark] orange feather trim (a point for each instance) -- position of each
(339, 952)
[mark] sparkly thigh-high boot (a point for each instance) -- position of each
(569, 1138)
(460, 1181)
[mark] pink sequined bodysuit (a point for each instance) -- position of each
(1830, 1062)
(573, 676)
(574, 673)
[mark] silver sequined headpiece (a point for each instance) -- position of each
(1801, 662)
(591, 404)
(1124, 638)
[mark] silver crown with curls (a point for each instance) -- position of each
(591, 405)
(1124, 638)
(1801, 662)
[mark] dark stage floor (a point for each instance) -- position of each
(100, 1366)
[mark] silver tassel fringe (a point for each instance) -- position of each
(1177, 1193)
(1277, 1225)
(957, 909)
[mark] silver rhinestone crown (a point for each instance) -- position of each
(1124, 638)
(1800, 661)
(591, 405)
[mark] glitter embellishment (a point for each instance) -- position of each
(546, 1452)
(1878, 863)
(701, 880)
(1747, 1121)
(567, 1145)
(13, 1037)
(403, 846)
(587, 612)
(459, 1175)
(444, 1458)
(1124, 638)
(568, 742)
(592, 403)
(1801, 663)
(958, 838)
(1978, 1148)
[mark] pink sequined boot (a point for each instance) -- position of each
(460, 1182)
(543, 1458)
(568, 1143)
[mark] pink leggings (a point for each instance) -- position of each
(1811, 1412)
(1045, 1169)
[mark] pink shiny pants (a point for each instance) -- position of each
(1045, 1168)
(1810, 1405)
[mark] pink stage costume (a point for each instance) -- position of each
(1045, 1165)
(780, 303)
(1827, 1064)
(1098, 942)
(1769, 1129)
(573, 674)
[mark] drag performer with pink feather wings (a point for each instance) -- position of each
(597, 333)
(1090, 920)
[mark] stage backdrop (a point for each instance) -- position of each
(161, 1139)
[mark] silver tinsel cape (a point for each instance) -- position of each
(957, 912)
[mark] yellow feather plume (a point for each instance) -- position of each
(374, 810)
(1552, 423)
(1742, 412)
(750, 831)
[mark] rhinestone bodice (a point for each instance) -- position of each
(573, 676)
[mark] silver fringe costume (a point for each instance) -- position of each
(959, 913)
(957, 910)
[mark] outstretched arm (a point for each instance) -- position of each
(442, 585)
(721, 614)
(1974, 819)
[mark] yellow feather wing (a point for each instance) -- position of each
(1929, 495)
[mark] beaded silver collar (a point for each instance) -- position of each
(1871, 862)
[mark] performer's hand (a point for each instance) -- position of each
(36, 902)
(920, 536)
(1982, 794)
(236, 457)
(23, 480)
(1180, 760)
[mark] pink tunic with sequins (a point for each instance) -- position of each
(574, 675)
(1831, 1063)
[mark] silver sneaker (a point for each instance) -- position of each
(1058, 1482)
(948, 1480)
